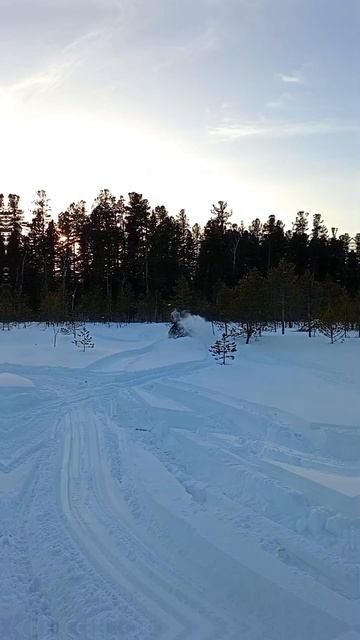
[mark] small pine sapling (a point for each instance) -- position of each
(84, 340)
(224, 348)
(73, 326)
(331, 329)
(330, 324)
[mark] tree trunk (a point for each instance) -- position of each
(309, 317)
(22, 274)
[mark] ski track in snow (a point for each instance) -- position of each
(135, 505)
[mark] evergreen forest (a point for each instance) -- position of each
(124, 261)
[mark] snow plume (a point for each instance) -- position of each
(197, 327)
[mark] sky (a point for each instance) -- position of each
(255, 102)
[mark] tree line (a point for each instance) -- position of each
(124, 261)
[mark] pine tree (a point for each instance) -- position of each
(298, 250)
(40, 248)
(105, 244)
(84, 340)
(332, 314)
(330, 326)
(356, 312)
(125, 305)
(281, 281)
(224, 348)
(69, 255)
(186, 246)
(15, 256)
(164, 253)
(4, 231)
(7, 311)
(251, 305)
(214, 262)
(137, 228)
(5, 224)
(92, 306)
(234, 237)
(307, 294)
(183, 295)
(51, 308)
(318, 248)
(274, 242)
(352, 273)
(10, 241)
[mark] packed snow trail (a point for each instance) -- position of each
(137, 503)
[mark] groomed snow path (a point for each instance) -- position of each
(146, 493)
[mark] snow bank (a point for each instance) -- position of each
(15, 381)
(308, 378)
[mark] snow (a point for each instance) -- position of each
(159, 401)
(349, 485)
(148, 493)
(311, 376)
(13, 381)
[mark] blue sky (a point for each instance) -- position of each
(192, 101)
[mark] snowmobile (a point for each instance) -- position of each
(177, 330)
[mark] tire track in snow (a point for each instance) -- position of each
(331, 602)
(96, 558)
(115, 551)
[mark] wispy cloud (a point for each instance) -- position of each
(290, 78)
(279, 103)
(169, 55)
(30, 86)
(54, 74)
(87, 39)
(37, 82)
(235, 132)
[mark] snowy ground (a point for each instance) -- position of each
(148, 493)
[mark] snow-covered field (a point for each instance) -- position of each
(149, 493)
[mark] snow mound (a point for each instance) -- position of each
(17, 394)
(11, 380)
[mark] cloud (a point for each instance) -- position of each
(171, 54)
(291, 129)
(11, 95)
(290, 79)
(279, 103)
(54, 74)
